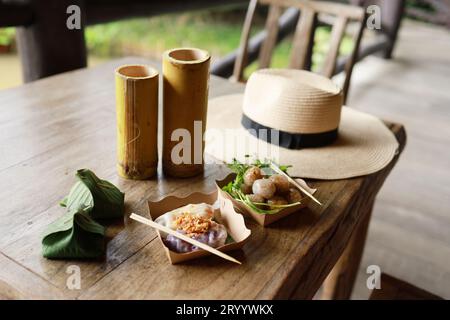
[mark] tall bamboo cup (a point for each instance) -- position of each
(185, 100)
(137, 121)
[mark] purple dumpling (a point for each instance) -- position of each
(214, 237)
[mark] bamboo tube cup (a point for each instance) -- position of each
(185, 101)
(137, 121)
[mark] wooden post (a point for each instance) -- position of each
(47, 46)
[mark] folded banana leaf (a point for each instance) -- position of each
(74, 235)
(105, 199)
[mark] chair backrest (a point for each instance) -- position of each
(303, 40)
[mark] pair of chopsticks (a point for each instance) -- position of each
(194, 242)
(277, 169)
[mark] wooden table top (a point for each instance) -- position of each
(52, 127)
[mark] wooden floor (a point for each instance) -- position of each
(409, 236)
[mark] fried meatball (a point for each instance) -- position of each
(277, 200)
(256, 198)
(251, 175)
(246, 189)
(281, 183)
(294, 195)
(264, 188)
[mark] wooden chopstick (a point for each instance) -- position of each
(295, 183)
(194, 242)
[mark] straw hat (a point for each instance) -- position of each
(296, 118)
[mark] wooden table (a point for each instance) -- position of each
(52, 127)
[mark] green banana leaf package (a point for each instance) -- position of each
(77, 234)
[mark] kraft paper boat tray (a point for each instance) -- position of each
(262, 219)
(224, 214)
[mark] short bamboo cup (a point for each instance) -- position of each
(185, 101)
(137, 121)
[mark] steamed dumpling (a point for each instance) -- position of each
(215, 237)
(202, 210)
(194, 221)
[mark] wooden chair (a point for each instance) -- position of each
(303, 41)
(395, 289)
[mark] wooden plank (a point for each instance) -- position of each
(303, 40)
(336, 37)
(332, 8)
(265, 54)
(241, 57)
(224, 67)
(354, 57)
(18, 283)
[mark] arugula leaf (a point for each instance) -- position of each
(234, 187)
(74, 235)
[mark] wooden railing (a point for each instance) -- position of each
(439, 13)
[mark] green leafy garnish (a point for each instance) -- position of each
(233, 188)
(76, 234)
(229, 239)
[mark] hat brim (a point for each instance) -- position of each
(364, 145)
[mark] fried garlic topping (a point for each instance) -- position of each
(192, 225)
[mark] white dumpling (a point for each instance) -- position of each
(201, 209)
(210, 233)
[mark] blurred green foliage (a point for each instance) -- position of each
(151, 36)
(218, 33)
(6, 36)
